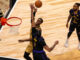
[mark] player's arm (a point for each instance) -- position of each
(69, 18)
(25, 40)
(49, 49)
(34, 13)
(32, 16)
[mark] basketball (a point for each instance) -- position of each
(38, 4)
(3, 21)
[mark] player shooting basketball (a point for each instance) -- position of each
(75, 23)
(30, 47)
(39, 45)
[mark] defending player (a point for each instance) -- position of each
(75, 22)
(38, 41)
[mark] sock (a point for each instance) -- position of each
(79, 44)
(67, 41)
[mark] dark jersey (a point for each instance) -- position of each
(75, 17)
(38, 41)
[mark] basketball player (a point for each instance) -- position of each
(38, 41)
(74, 16)
(30, 47)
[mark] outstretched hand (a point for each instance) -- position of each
(21, 41)
(56, 43)
(31, 6)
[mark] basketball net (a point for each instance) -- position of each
(14, 30)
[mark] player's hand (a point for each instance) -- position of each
(35, 9)
(31, 6)
(56, 43)
(21, 41)
(67, 25)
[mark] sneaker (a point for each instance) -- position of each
(66, 44)
(79, 47)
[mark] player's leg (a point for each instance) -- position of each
(37, 56)
(78, 34)
(71, 29)
(28, 51)
(44, 56)
(40, 56)
(26, 56)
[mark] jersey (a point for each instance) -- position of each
(38, 41)
(75, 17)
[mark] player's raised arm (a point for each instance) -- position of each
(34, 13)
(32, 16)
